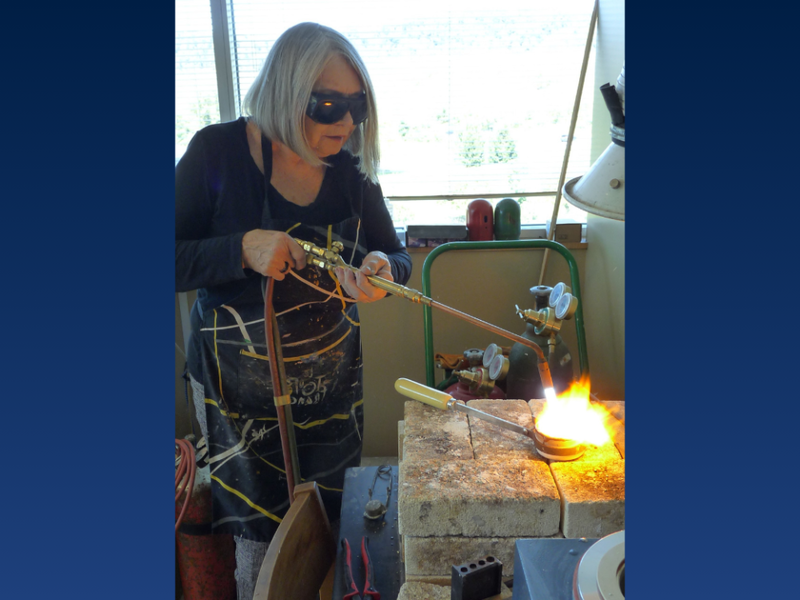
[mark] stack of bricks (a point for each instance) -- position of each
(468, 488)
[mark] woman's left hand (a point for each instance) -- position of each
(358, 286)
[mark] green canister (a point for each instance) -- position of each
(506, 220)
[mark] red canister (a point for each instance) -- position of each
(480, 222)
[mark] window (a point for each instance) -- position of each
(196, 99)
(475, 98)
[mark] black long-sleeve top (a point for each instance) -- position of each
(219, 196)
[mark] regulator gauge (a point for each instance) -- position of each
(566, 306)
(489, 354)
(559, 290)
(498, 369)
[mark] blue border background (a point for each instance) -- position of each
(87, 186)
(712, 415)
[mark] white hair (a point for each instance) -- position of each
(278, 98)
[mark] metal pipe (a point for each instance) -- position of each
(575, 108)
(280, 392)
(415, 296)
(468, 410)
(489, 327)
(502, 245)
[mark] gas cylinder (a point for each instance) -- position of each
(507, 220)
(480, 221)
(206, 561)
(522, 381)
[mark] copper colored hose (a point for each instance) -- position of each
(279, 389)
(186, 471)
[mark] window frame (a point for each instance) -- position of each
(230, 99)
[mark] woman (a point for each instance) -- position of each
(302, 164)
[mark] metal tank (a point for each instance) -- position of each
(522, 381)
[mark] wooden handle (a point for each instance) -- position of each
(423, 393)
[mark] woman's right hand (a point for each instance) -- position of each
(271, 253)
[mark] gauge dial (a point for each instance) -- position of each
(566, 307)
(491, 351)
(559, 290)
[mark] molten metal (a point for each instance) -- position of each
(571, 416)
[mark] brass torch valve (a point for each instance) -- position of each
(329, 259)
(561, 306)
(478, 380)
(324, 258)
(543, 320)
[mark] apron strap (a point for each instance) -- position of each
(266, 158)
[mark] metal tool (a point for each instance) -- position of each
(351, 590)
(375, 509)
(329, 259)
(476, 579)
(369, 582)
(547, 446)
(444, 401)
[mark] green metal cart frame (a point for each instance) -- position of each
(427, 317)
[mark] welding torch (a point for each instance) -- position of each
(330, 258)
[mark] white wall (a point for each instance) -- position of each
(604, 307)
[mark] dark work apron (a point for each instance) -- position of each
(321, 341)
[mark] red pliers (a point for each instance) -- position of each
(351, 591)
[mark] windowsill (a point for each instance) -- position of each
(569, 246)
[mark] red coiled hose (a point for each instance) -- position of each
(184, 475)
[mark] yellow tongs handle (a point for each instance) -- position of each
(423, 393)
(443, 400)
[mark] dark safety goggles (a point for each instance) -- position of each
(331, 108)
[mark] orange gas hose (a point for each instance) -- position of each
(184, 475)
(279, 388)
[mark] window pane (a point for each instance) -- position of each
(196, 98)
(474, 98)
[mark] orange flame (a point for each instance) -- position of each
(571, 416)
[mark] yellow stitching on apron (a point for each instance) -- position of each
(354, 323)
(298, 358)
(330, 489)
(342, 417)
(223, 412)
(236, 415)
(247, 500)
(293, 227)
(216, 353)
(253, 355)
